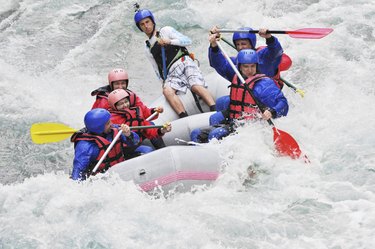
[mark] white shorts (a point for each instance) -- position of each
(183, 75)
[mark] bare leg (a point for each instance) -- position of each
(173, 99)
(204, 94)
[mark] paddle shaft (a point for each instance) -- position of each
(251, 31)
(107, 151)
(72, 131)
(164, 59)
(306, 33)
(152, 116)
(289, 84)
(309, 31)
(243, 81)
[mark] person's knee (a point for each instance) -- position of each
(194, 135)
(144, 149)
(168, 92)
(200, 135)
(222, 103)
(198, 89)
(158, 142)
(218, 133)
(216, 118)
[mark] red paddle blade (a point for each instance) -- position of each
(285, 144)
(310, 33)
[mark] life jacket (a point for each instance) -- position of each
(114, 156)
(241, 101)
(133, 116)
(104, 91)
(172, 54)
(284, 65)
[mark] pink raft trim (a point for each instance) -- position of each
(178, 176)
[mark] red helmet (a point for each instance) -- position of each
(115, 96)
(117, 74)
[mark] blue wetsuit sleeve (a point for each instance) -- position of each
(270, 57)
(85, 153)
(220, 64)
(271, 96)
(132, 140)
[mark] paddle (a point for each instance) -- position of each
(42, 133)
(107, 151)
(179, 140)
(295, 89)
(285, 144)
(306, 33)
(164, 63)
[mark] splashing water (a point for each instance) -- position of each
(54, 53)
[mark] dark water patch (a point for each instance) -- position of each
(362, 31)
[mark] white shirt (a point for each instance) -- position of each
(176, 39)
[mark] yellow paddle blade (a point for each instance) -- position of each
(301, 92)
(50, 132)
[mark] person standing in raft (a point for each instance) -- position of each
(118, 78)
(272, 60)
(180, 73)
(91, 142)
(242, 105)
(123, 113)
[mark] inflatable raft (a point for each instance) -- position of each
(181, 128)
(172, 169)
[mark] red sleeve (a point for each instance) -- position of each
(100, 103)
(145, 110)
(150, 133)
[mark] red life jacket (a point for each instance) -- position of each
(131, 116)
(284, 65)
(114, 156)
(240, 99)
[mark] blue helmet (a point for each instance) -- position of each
(250, 36)
(142, 14)
(96, 119)
(247, 56)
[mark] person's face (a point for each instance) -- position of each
(122, 104)
(107, 127)
(147, 26)
(120, 84)
(248, 70)
(242, 44)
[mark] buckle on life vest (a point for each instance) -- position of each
(191, 55)
(183, 58)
